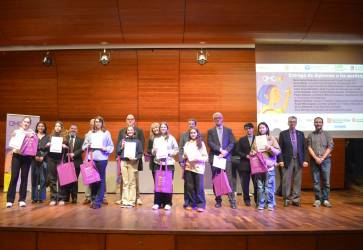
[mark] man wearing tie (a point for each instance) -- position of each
(75, 153)
(221, 143)
(293, 150)
(243, 149)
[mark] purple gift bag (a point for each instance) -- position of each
(30, 145)
(163, 180)
(221, 184)
(258, 164)
(66, 172)
(89, 172)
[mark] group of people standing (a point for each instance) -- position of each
(290, 153)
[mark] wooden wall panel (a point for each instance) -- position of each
(11, 240)
(140, 242)
(87, 89)
(190, 242)
(71, 241)
(226, 84)
(26, 86)
(284, 242)
(158, 90)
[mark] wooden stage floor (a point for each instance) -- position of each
(345, 215)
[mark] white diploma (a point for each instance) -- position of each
(17, 140)
(261, 142)
(161, 149)
(193, 155)
(219, 162)
(130, 150)
(97, 140)
(56, 144)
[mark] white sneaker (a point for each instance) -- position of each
(9, 204)
(22, 204)
(155, 207)
(167, 207)
(52, 203)
(118, 202)
(61, 203)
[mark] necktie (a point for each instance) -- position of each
(71, 145)
(294, 143)
(220, 135)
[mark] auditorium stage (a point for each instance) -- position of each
(40, 226)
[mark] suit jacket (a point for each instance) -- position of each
(286, 147)
(214, 144)
(243, 148)
(77, 150)
(139, 135)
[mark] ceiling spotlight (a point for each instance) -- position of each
(105, 57)
(202, 57)
(47, 59)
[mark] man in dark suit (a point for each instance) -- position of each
(221, 143)
(294, 157)
(131, 122)
(243, 166)
(75, 153)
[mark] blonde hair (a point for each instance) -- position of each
(152, 126)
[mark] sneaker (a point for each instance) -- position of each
(61, 203)
(139, 201)
(327, 203)
(9, 204)
(22, 204)
(260, 208)
(167, 207)
(271, 208)
(200, 209)
(188, 208)
(155, 207)
(317, 203)
(52, 203)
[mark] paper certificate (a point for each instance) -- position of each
(161, 149)
(97, 140)
(219, 162)
(193, 155)
(130, 150)
(261, 143)
(17, 140)
(56, 144)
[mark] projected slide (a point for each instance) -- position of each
(332, 91)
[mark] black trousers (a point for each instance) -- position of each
(163, 199)
(70, 190)
(215, 171)
(52, 179)
(19, 164)
(244, 177)
(194, 183)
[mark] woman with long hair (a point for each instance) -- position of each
(154, 133)
(39, 165)
(54, 159)
(164, 149)
(99, 151)
(20, 163)
(195, 155)
(266, 181)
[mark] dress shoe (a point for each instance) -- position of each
(296, 203)
(218, 205)
(248, 203)
(74, 201)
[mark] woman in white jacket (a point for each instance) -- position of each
(164, 149)
(195, 154)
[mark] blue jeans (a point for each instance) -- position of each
(266, 189)
(38, 174)
(324, 170)
(98, 188)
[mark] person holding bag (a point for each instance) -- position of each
(20, 163)
(164, 148)
(195, 156)
(265, 181)
(101, 146)
(56, 148)
(39, 165)
(130, 150)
